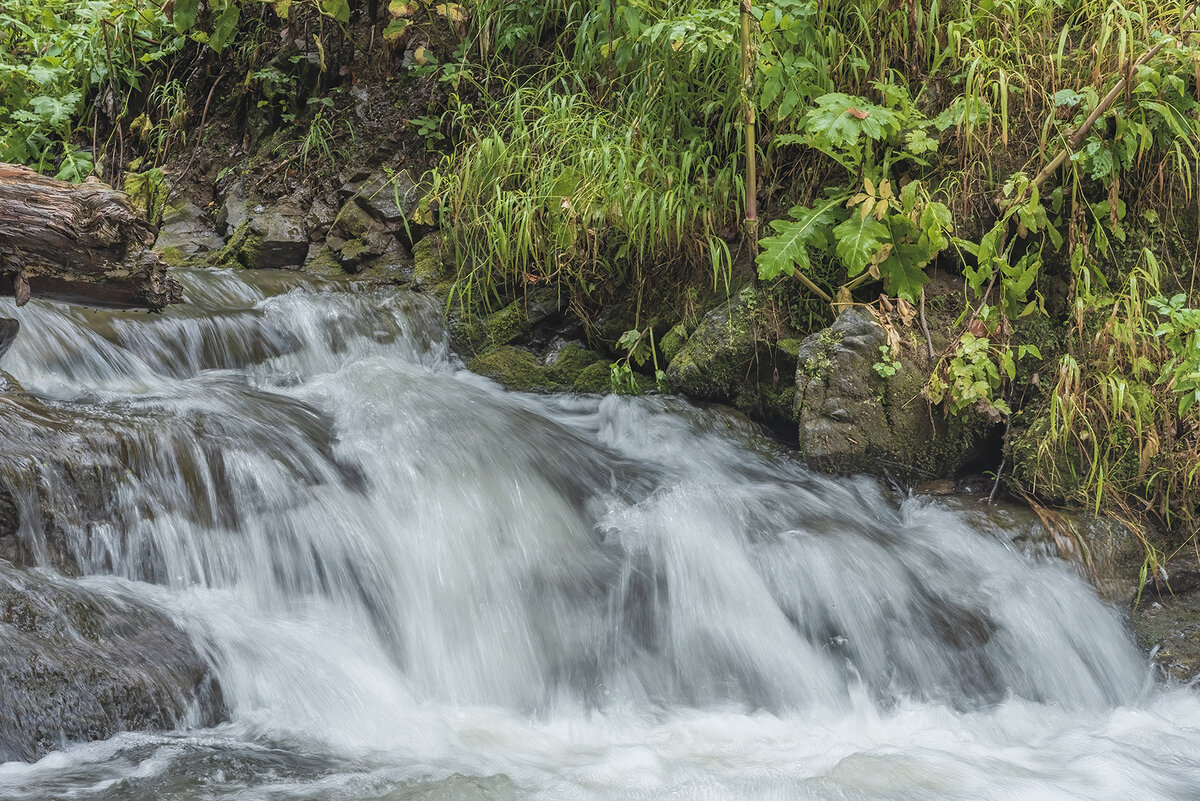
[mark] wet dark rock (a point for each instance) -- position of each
(851, 419)
(939, 486)
(8, 333)
(734, 357)
(272, 238)
(319, 218)
(81, 662)
(391, 200)
(1167, 626)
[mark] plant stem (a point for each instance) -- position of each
(751, 222)
(1082, 131)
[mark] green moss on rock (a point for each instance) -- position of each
(243, 249)
(173, 256)
(672, 342)
(325, 263)
(721, 354)
(572, 360)
(596, 378)
(148, 192)
(429, 267)
(514, 368)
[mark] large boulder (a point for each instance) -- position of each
(272, 238)
(80, 659)
(853, 419)
(734, 356)
(81, 663)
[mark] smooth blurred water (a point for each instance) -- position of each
(414, 585)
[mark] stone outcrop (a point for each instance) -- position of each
(734, 357)
(81, 663)
(80, 659)
(852, 419)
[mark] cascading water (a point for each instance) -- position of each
(412, 584)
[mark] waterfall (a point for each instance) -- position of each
(413, 584)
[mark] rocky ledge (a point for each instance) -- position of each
(80, 658)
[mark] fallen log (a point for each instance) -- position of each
(82, 243)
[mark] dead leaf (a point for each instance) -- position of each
(858, 114)
(452, 11)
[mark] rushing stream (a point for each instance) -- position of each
(415, 585)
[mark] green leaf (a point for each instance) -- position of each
(185, 14)
(917, 142)
(338, 9)
(224, 27)
(394, 29)
(936, 220)
(1067, 97)
(858, 240)
(788, 249)
(840, 120)
(904, 271)
(1008, 365)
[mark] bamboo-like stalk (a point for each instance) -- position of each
(1076, 138)
(751, 221)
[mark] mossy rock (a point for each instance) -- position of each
(352, 222)
(325, 264)
(244, 249)
(595, 379)
(851, 419)
(581, 369)
(515, 369)
(513, 324)
(148, 192)
(574, 369)
(672, 342)
(722, 353)
(572, 359)
(510, 324)
(353, 252)
(173, 256)
(430, 269)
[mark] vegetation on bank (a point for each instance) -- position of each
(1045, 151)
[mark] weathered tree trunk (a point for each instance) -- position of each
(83, 243)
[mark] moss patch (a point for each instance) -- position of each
(596, 379)
(243, 249)
(515, 368)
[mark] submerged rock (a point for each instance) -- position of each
(8, 333)
(853, 420)
(80, 663)
(80, 659)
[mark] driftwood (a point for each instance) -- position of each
(83, 243)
